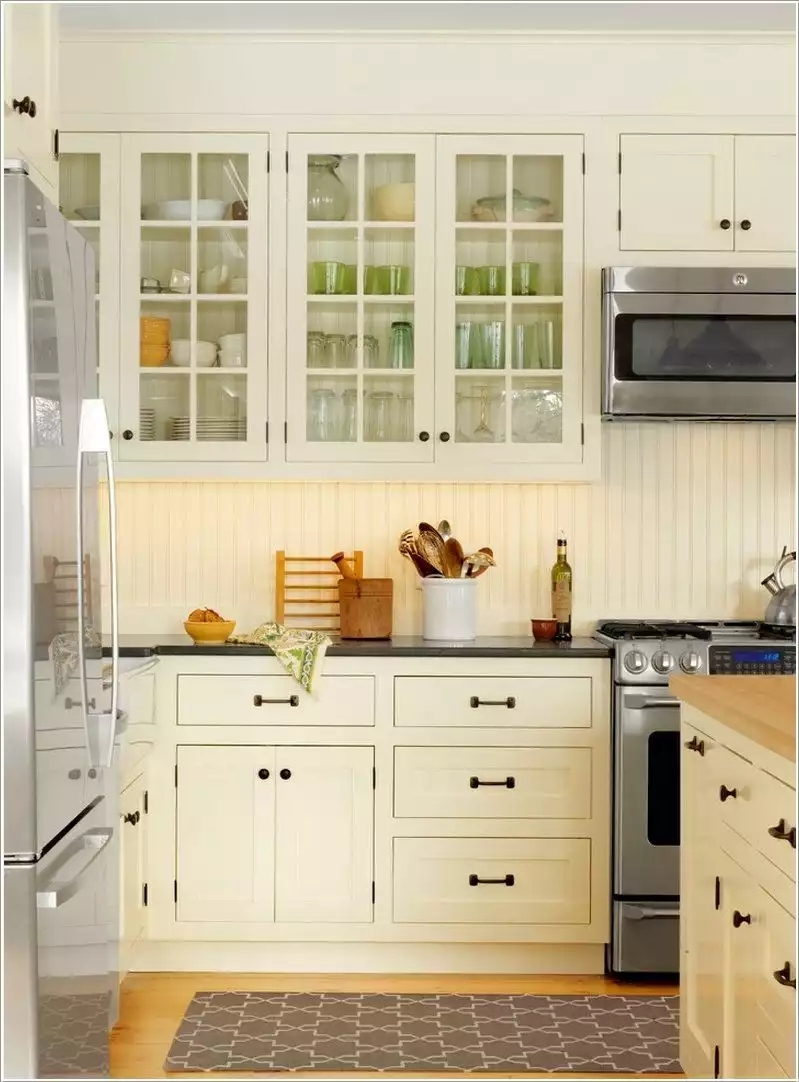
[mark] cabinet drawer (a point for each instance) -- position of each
(492, 783)
(540, 702)
(274, 700)
(776, 1024)
(540, 880)
(774, 808)
(64, 711)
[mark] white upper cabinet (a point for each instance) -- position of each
(30, 52)
(193, 315)
(360, 298)
(765, 193)
(677, 193)
(707, 193)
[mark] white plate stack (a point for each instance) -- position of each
(222, 429)
(146, 424)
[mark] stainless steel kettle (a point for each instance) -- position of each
(782, 607)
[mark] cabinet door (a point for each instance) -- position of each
(509, 288)
(194, 356)
(775, 983)
(676, 193)
(132, 831)
(30, 49)
(701, 984)
(323, 839)
(765, 193)
(742, 927)
(225, 833)
(89, 189)
(360, 298)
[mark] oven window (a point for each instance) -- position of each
(663, 796)
(705, 347)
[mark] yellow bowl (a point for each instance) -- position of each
(153, 355)
(209, 633)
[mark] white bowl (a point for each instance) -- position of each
(232, 358)
(394, 202)
(180, 353)
(233, 341)
(179, 210)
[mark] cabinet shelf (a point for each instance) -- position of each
(390, 373)
(168, 298)
(364, 222)
(367, 298)
(477, 299)
(522, 373)
(527, 227)
(186, 223)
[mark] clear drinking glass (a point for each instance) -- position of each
(492, 281)
(371, 351)
(323, 415)
(380, 416)
(400, 349)
(404, 411)
(336, 351)
(349, 417)
(316, 349)
(493, 339)
(524, 353)
(328, 199)
(546, 343)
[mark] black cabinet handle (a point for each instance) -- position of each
(695, 745)
(783, 976)
(506, 881)
(127, 434)
(263, 773)
(746, 224)
(725, 793)
(259, 700)
(285, 773)
(69, 703)
(741, 918)
(25, 105)
(510, 702)
(782, 834)
(424, 436)
(725, 223)
(444, 437)
(131, 817)
(508, 783)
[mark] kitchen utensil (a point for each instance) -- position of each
(394, 202)
(453, 553)
(207, 633)
(400, 346)
(407, 547)
(532, 208)
(475, 573)
(445, 529)
(430, 545)
(491, 281)
(149, 285)
(477, 562)
(467, 281)
(782, 607)
(449, 609)
(215, 279)
(153, 354)
(325, 277)
(343, 564)
(544, 630)
(306, 590)
(328, 198)
(524, 279)
(179, 210)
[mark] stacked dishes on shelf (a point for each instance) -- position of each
(224, 429)
(146, 423)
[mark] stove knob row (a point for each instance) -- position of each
(635, 661)
(690, 662)
(662, 661)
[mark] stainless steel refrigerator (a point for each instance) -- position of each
(61, 722)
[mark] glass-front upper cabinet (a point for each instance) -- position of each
(509, 298)
(361, 251)
(193, 380)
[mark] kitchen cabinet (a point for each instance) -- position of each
(711, 193)
(287, 835)
(30, 53)
(133, 813)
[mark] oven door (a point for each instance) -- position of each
(701, 355)
(646, 859)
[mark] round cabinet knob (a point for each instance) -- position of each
(263, 773)
(739, 918)
(725, 223)
(444, 437)
(725, 793)
(285, 773)
(690, 662)
(746, 224)
(662, 662)
(127, 434)
(635, 661)
(424, 436)
(25, 105)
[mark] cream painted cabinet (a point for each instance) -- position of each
(133, 806)
(30, 53)
(707, 193)
(267, 833)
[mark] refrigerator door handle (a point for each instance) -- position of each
(93, 438)
(52, 893)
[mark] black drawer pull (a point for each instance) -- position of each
(695, 745)
(741, 918)
(725, 793)
(259, 700)
(28, 105)
(508, 783)
(69, 703)
(510, 702)
(782, 834)
(783, 976)
(507, 881)
(131, 817)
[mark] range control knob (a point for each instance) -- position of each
(635, 661)
(662, 662)
(691, 662)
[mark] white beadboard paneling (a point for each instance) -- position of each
(686, 521)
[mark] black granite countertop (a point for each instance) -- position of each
(400, 646)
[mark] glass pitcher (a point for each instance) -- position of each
(328, 199)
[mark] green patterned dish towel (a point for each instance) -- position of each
(299, 652)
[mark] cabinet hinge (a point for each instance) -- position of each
(287, 161)
(269, 161)
(266, 430)
(285, 432)
(374, 777)
(718, 893)
(146, 802)
(716, 1062)
(56, 145)
(373, 892)
(176, 890)
(583, 163)
(619, 163)
(176, 775)
(144, 894)
(619, 222)
(582, 434)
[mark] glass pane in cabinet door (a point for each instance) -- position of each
(221, 334)
(388, 408)
(538, 188)
(479, 409)
(536, 410)
(221, 407)
(332, 409)
(481, 188)
(480, 340)
(166, 187)
(537, 264)
(92, 238)
(165, 260)
(537, 338)
(221, 261)
(332, 188)
(390, 187)
(332, 266)
(164, 331)
(331, 335)
(164, 405)
(388, 341)
(388, 262)
(79, 186)
(223, 187)
(480, 263)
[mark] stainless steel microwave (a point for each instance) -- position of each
(706, 343)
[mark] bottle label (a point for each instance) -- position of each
(562, 601)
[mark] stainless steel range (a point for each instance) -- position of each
(646, 766)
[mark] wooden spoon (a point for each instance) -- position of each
(453, 553)
(479, 562)
(430, 545)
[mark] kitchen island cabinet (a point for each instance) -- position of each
(738, 876)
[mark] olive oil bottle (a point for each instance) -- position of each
(562, 594)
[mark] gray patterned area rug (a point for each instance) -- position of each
(326, 1032)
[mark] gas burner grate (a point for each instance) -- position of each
(777, 631)
(632, 629)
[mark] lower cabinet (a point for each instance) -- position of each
(133, 864)
(270, 833)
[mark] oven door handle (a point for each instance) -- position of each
(649, 912)
(648, 702)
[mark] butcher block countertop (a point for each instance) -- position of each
(761, 708)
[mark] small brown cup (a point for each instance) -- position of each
(544, 630)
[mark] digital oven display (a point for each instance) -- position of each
(759, 657)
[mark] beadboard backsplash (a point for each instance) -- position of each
(686, 521)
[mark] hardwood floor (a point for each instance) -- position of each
(152, 1005)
